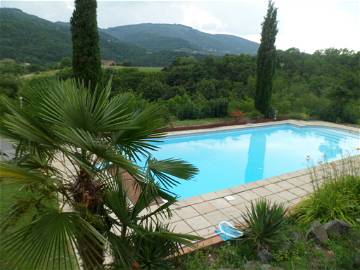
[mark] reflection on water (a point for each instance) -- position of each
(232, 158)
(256, 157)
(330, 148)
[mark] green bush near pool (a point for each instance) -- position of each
(336, 199)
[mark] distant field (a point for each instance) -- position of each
(40, 74)
(53, 71)
(143, 69)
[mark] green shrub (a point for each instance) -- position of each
(152, 249)
(299, 116)
(338, 198)
(254, 114)
(265, 224)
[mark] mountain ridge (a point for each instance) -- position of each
(28, 38)
(218, 44)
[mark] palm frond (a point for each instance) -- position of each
(11, 173)
(165, 170)
(51, 242)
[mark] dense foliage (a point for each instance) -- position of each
(324, 85)
(266, 58)
(298, 253)
(336, 199)
(86, 61)
(76, 148)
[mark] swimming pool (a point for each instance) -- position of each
(230, 158)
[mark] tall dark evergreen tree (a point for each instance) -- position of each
(85, 39)
(266, 62)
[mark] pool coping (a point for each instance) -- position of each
(298, 123)
(199, 215)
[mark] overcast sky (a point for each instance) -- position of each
(306, 24)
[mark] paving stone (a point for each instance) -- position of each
(287, 195)
(305, 179)
(204, 208)
(239, 189)
(299, 192)
(198, 223)
(242, 209)
(274, 188)
(193, 200)
(209, 196)
(249, 195)
(166, 219)
(215, 217)
(262, 192)
(174, 218)
(285, 185)
(275, 198)
(224, 193)
(179, 204)
(231, 212)
(220, 203)
(181, 227)
(186, 212)
(297, 181)
(285, 176)
(238, 199)
(295, 201)
(299, 173)
(252, 185)
(274, 179)
(308, 187)
(207, 232)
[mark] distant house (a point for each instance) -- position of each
(108, 63)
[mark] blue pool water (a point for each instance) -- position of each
(230, 158)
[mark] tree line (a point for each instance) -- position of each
(324, 85)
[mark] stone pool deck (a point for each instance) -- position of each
(200, 215)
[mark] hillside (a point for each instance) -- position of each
(27, 38)
(179, 37)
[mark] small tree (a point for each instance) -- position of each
(86, 60)
(266, 62)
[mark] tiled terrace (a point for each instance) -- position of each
(200, 215)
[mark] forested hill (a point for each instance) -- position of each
(179, 37)
(27, 38)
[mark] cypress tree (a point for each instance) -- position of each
(266, 58)
(86, 60)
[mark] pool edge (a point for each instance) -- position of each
(297, 123)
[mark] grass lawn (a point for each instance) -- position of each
(196, 122)
(142, 69)
(40, 74)
(54, 71)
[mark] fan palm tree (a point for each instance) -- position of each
(73, 148)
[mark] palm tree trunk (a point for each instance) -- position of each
(88, 199)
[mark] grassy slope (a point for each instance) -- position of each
(303, 255)
(142, 69)
(197, 122)
(54, 71)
